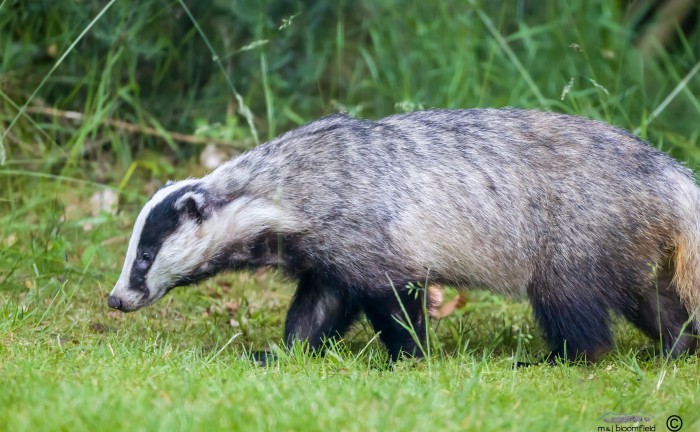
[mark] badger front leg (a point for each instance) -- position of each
(320, 310)
(401, 326)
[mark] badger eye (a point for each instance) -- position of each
(146, 257)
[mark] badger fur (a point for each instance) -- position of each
(582, 218)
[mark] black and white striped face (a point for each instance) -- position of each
(167, 247)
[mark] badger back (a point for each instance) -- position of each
(471, 196)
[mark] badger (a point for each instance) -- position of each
(582, 218)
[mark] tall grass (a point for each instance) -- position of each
(177, 66)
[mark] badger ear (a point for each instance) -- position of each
(193, 205)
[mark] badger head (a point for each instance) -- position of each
(168, 246)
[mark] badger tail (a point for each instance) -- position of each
(686, 259)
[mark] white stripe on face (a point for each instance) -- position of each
(121, 288)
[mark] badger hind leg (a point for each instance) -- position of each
(569, 306)
(660, 314)
(320, 310)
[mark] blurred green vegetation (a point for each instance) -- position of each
(293, 61)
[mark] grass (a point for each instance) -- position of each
(68, 363)
(157, 385)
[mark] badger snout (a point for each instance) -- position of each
(115, 303)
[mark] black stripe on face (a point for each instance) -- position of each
(160, 223)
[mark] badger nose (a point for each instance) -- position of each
(114, 302)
